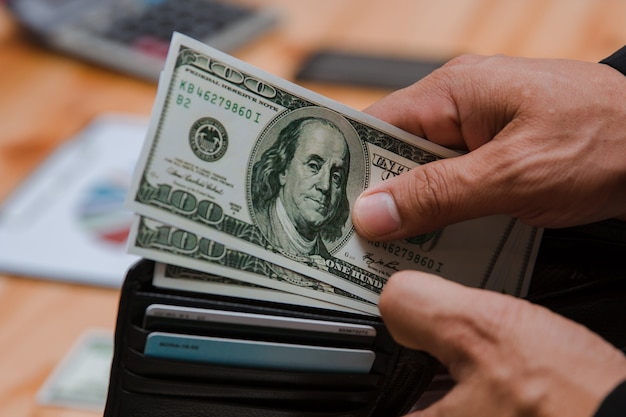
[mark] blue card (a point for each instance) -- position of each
(258, 354)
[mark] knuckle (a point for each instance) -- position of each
(463, 59)
(484, 326)
(430, 191)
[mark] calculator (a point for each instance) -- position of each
(133, 36)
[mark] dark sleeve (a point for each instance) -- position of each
(617, 60)
(614, 405)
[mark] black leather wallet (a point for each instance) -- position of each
(579, 273)
(142, 385)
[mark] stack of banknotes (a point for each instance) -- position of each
(246, 182)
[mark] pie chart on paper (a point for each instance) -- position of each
(102, 214)
(68, 221)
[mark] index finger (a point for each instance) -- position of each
(461, 105)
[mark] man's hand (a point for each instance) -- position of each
(509, 357)
(547, 141)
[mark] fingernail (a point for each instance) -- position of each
(377, 213)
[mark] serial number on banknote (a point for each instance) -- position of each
(189, 91)
(401, 252)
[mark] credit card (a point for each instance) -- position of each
(213, 322)
(258, 354)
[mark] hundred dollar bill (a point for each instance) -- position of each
(182, 278)
(81, 379)
(513, 261)
(161, 242)
(259, 164)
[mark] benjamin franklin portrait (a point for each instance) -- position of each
(299, 183)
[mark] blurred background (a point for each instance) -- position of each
(41, 88)
(60, 78)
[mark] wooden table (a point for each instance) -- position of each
(45, 98)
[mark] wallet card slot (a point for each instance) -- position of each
(292, 334)
(173, 370)
(137, 337)
(136, 340)
(130, 404)
(144, 298)
(286, 396)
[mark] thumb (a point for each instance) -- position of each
(432, 196)
(449, 320)
(503, 352)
